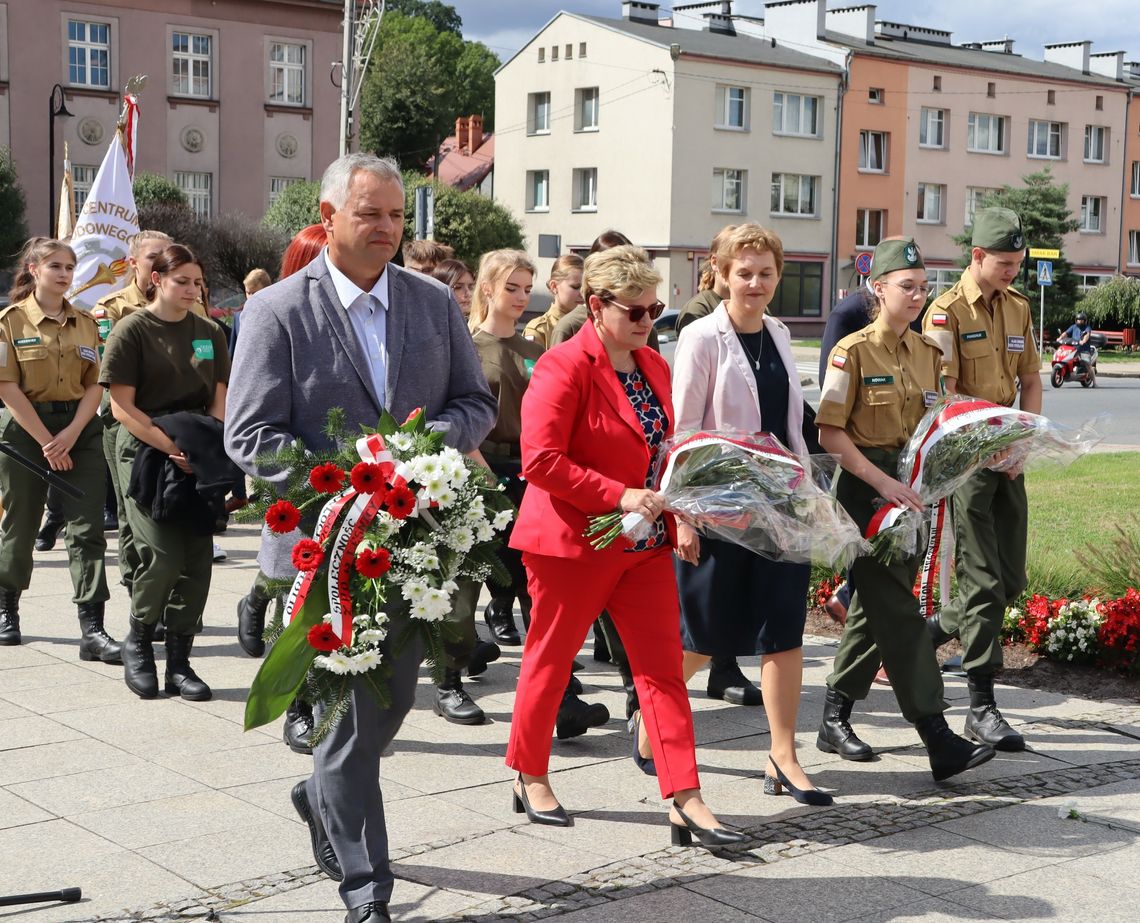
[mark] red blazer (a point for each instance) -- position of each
(582, 444)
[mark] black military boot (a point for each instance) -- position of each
(835, 732)
(984, 722)
(94, 642)
(601, 644)
(49, 532)
(499, 616)
(251, 621)
(180, 676)
(9, 618)
(139, 670)
(452, 702)
(938, 634)
(575, 717)
(485, 652)
(728, 682)
(298, 726)
(949, 754)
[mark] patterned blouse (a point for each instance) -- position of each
(653, 420)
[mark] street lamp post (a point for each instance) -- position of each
(57, 106)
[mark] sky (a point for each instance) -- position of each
(1112, 25)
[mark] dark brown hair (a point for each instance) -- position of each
(35, 250)
(449, 272)
(170, 259)
(609, 239)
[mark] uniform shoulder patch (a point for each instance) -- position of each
(839, 359)
(939, 318)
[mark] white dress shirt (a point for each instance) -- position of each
(368, 314)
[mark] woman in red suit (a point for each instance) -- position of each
(593, 416)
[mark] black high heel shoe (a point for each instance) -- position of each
(812, 796)
(710, 837)
(520, 804)
(646, 765)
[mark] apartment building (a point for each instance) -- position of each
(667, 134)
(237, 106)
(1130, 233)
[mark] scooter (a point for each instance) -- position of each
(1068, 367)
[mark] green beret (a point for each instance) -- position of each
(998, 229)
(895, 254)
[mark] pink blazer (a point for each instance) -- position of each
(714, 386)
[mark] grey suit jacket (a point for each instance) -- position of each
(299, 358)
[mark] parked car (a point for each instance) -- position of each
(666, 325)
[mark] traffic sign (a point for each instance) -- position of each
(863, 264)
(1044, 272)
(1044, 253)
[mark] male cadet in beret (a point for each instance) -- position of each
(985, 331)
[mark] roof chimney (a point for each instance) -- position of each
(1070, 54)
(475, 134)
(796, 20)
(1108, 64)
(720, 23)
(461, 133)
(639, 11)
(855, 21)
(1001, 46)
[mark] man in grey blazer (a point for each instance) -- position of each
(352, 330)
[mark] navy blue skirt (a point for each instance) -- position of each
(735, 603)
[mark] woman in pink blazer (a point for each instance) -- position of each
(593, 416)
(735, 371)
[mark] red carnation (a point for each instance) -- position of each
(282, 517)
(373, 562)
(415, 413)
(307, 554)
(400, 502)
(327, 479)
(367, 478)
(323, 638)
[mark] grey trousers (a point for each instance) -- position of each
(345, 785)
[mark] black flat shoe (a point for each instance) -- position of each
(812, 796)
(372, 912)
(646, 765)
(710, 837)
(323, 853)
(520, 804)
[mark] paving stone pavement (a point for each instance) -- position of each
(166, 811)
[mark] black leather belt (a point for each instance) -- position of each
(55, 406)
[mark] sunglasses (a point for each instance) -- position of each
(637, 313)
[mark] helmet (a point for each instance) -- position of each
(1082, 316)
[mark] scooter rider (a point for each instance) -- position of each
(1079, 334)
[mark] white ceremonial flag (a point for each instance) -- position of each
(66, 219)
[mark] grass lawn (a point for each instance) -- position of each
(806, 341)
(1076, 510)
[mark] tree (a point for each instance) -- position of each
(475, 83)
(295, 208)
(13, 227)
(443, 16)
(154, 189)
(467, 221)
(180, 222)
(1115, 301)
(1046, 219)
(239, 244)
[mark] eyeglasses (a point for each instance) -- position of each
(909, 288)
(637, 312)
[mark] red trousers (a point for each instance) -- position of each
(640, 592)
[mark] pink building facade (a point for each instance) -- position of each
(238, 102)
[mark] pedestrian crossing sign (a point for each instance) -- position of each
(1044, 272)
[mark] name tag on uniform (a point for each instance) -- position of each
(528, 364)
(28, 341)
(929, 398)
(203, 349)
(879, 380)
(974, 335)
(104, 328)
(89, 353)
(1015, 344)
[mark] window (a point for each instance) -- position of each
(985, 134)
(991, 90)
(941, 280)
(553, 52)
(932, 128)
(873, 151)
(81, 180)
(1100, 104)
(1051, 98)
(586, 189)
(287, 73)
(1092, 214)
(869, 226)
(728, 190)
(538, 190)
(800, 292)
(793, 114)
(937, 87)
(89, 54)
(538, 114)
(732, 108)
(875, 96)
(190, 64)
(930, 198)
(198, 188)
(1134, 248)
(793, 194)
(1087, 281)
(586, 109)
(974, 196)
(542, 55)
(278, 184)
(1096, 143)
(581, 49)
(1044, 139)
(1135, 188)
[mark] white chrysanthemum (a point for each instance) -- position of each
(327, 618)
(426, 467)
(461, 539)
(362, 621)
(435, 485)
(365, 661)
(450, 586)
(372, 636)
(414, 590)
(338, 663)
(400, 442)
(502, 520)
(446, 498)
(484, 532)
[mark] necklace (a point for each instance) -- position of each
(754, 359)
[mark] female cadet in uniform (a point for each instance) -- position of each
(49, 371)
(160, 360)
(565, 286)
(457, 276)
(879, 383)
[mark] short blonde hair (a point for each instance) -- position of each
(748, 236)
(257, 279)
(136, 241)
(621, 272)
(495, 268)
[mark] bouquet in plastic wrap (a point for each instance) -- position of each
(748, 489)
